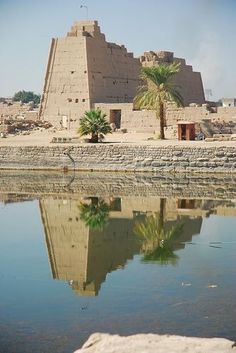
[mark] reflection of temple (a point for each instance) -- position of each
(13, 198)
(83, 256)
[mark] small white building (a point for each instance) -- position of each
(228, 102)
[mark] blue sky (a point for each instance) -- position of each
(201, 31)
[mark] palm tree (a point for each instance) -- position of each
(94, 122)
(95, 214)
(158, 90)
(158, 243)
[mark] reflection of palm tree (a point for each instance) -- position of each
(157, 243)
(95, 214)
(164, 255)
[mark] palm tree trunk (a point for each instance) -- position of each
(162, 212)
(162, 121)
(94, 138)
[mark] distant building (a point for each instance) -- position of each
(228, 102)
(84, 71)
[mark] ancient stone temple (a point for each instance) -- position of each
(84, 70)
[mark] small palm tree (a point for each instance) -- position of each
(94, 122)
(158, 90)
(95, 214)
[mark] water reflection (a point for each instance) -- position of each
(95, 214)
(89, 237)
(83, 254)
(157, 242)
(198, 292)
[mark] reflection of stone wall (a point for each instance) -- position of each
(179, 186)
(67, 239)
(110, 249)
(191, 226)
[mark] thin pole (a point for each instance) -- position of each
(86, 7)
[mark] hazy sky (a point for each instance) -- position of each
(201, 31)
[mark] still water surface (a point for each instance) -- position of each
(73, 266)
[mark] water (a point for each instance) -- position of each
(73, 264)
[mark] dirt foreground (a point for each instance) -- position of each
(44, 138)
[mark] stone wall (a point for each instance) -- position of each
(113, 72)
(196, 114)
(15, 109)
(120, 157)
(63, 100)
(225, 113)
(146, 121)
(132, 120)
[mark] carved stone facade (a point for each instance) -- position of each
(85, 70)
(189, 82)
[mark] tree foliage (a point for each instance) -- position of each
(95, 214)
(157, 90)
(94, 123)
(26, 97)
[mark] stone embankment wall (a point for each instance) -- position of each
(107, 157)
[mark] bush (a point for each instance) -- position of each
(94, 123)
(26, 97)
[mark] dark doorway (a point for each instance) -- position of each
(115, 117)
(186, 130)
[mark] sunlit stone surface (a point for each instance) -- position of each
(104, 343)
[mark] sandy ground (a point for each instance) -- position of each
(44, 138)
